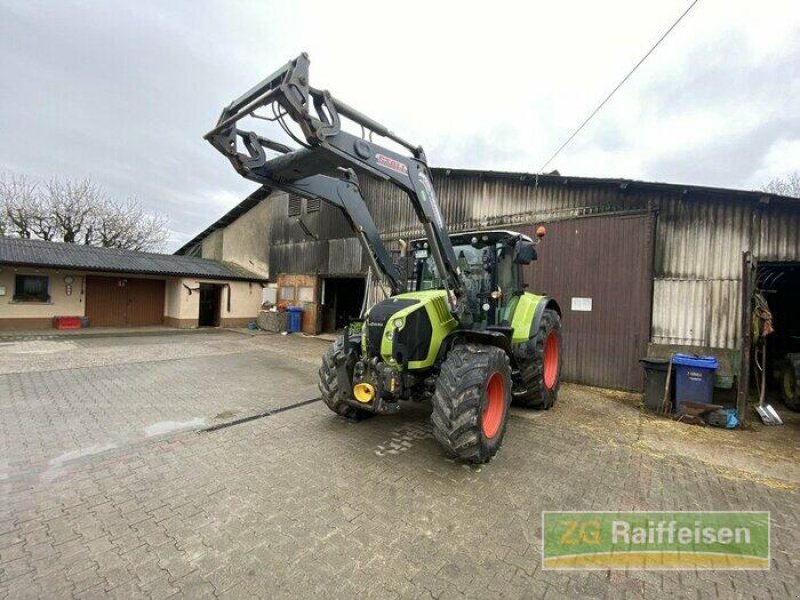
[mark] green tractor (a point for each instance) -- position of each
(467, 335)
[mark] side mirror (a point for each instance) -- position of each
(524, 252)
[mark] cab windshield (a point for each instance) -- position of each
(489, 275)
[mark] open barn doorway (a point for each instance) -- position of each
(778, 287)
(210, 301)
(342, 298)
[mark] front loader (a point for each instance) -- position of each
(462, 330)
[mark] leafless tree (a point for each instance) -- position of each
(785, 186)
(127, 225)
(22, 207)
(73, 208)
(77, 212)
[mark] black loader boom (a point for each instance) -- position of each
(329, 149)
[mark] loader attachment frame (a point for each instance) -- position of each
(324, 165)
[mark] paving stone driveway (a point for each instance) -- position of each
(107, 489)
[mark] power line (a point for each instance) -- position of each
(619, 85)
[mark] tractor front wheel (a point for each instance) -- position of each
(329, 387)
(539, 361)
(470, 404)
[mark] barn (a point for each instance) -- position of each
(640, 268)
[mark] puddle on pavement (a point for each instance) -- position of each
(55, 465)
(163, 427)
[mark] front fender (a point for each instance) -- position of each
(528, 315)
(544, 304)
(486, 337)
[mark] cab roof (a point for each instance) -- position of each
(496, 235)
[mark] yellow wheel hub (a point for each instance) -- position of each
(364, 392)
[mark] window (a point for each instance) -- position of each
(287, 292)
(31, 288)
(305, 294)
(312, 205)
(295, 205)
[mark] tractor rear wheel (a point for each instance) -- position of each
(539, 374)
(470, 404)
(329, 387)
(790, 382)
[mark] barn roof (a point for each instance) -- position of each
(554, 178)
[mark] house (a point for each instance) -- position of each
(639, 268)
(40, 280)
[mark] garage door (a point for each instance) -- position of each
(122, 302)
(600, 271)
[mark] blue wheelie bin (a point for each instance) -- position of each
(694, 378)
(295, 319)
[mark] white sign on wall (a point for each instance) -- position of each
(582, 304)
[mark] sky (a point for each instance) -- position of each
(123, 92)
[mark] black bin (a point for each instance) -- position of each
(655, 379)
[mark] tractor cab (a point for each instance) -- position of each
(491, 265)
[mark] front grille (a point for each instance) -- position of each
(415, 337)
(374, 336)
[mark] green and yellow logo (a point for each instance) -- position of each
(655, 540)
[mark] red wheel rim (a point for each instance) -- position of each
(551, 359)
(495, 407)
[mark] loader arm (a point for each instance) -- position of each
(323, 167)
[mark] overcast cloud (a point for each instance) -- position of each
(124, 91)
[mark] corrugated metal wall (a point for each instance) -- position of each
(470, 202)
(779, 235)
(698, 244)
(697, 280)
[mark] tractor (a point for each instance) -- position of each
(458, 326)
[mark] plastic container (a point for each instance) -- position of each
(724, 417)
(295, 319)
(694, 378)
(655, 380)
(67, 322)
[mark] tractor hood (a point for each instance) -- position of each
(407, 330)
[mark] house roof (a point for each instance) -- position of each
(554, 178)
(58, 255)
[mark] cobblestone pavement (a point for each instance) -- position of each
(107, 488)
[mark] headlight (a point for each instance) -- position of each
(398, 323)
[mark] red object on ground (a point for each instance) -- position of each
(67, 322)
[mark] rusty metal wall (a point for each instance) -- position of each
(608, 260)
